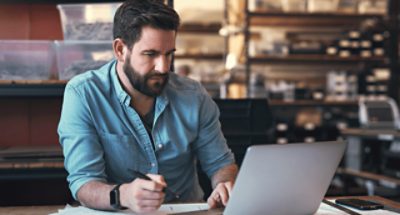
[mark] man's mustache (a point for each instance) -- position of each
(158, 74)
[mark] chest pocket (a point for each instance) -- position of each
(122, 155)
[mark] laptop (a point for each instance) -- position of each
(284, 179)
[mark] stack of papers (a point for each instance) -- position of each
(164, 209)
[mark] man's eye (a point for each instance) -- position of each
(150, 54)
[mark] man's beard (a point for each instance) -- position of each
(142, 84)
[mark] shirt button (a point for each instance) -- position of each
(160, 146)
(153, 164)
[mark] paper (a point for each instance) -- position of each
(180, 208)
(163, 210)
(323, 209)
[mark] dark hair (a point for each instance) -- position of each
(133, 15)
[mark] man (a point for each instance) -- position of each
(133, 115)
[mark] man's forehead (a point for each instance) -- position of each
(156, 39)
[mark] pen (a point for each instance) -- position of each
(145, 177)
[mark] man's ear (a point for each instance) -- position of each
(119, 49)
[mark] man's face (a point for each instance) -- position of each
(147, 64)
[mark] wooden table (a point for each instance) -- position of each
(30, 210)
(41, 210)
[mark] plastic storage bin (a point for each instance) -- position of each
(372, 6)
(87, 21)
(294, 5)
(265, 5)
(26, 60)
(323, 6)
(348, 6)
(75, 57)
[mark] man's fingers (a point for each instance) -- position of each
(158, 178)
(151, 185)
(150, 203)
(150, 195)
(220, 195)
(224, 197)
(146, 209)
(229, 187)
(212, 202)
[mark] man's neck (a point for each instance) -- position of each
(140, 102)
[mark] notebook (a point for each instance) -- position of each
(284, 179)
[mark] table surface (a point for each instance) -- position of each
(41, 210)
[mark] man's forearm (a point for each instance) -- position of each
(227, 173)
(95, 194)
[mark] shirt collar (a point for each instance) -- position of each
(122, 95)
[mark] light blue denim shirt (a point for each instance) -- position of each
(104, 139)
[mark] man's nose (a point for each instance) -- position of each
(163, 64)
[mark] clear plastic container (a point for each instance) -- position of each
(265, 5)
(372, 6)
(88, 21)
(294, 5)
(26, 59)
(76, 57)
(348, 6)
(323, 6)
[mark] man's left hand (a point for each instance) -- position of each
(220, 196)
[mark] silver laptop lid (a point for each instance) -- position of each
(284, 179)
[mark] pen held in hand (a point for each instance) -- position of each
(145, 177)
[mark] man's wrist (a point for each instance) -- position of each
(115, 198)
(123, 200)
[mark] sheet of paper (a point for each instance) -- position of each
(164, 209)
(325, 209)
(185, 207)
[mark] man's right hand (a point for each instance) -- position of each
(143, 196)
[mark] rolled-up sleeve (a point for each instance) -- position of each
(81, 147)
(210, 145)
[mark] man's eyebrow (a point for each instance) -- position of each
(171, 51)
(150, 50)
(157, 51)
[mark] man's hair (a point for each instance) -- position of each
(133, 15)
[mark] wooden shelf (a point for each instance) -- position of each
(312, 58)
(369, 176)
(42, 88)
(57, 1)
(278, 19)
(200, 28)
(200, 56)
(311, 103)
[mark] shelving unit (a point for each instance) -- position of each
(306, 20)
(279, 19)
(200, 48)
(246, 20)
(335, 23)
(314, 59)
(200, 29)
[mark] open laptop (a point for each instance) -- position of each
(284, 179)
